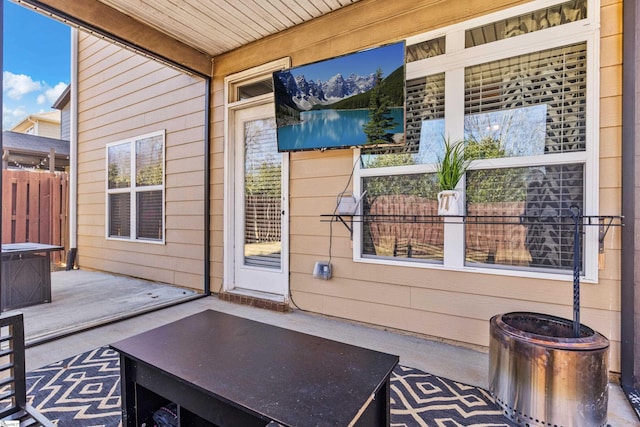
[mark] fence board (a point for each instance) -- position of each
(21, 208)
(45, 211)
(56, 210)
(35, 208)
(7, 205)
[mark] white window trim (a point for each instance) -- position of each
(457, 56)
(132, 190)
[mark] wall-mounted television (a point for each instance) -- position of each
(355, 100)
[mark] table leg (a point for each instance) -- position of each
(378, 413)
(47, 278)
(128, 392)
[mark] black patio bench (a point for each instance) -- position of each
(13, 388)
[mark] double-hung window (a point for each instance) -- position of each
(135, 188)
(519, 88)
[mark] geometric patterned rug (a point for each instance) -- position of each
(84, 391)
(634, 400)
(421, 399)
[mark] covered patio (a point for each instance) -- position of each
(456, 380)
(206, 67)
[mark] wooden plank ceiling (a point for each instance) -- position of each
(218, 26)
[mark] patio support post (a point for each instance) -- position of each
(630, 341)
(207, 190)
(73, 153)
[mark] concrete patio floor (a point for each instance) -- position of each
(86, 299)
(462, 364)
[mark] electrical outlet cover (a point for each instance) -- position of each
(322, 270)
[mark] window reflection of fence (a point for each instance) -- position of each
(501, 233)
(497, 238)
(263, 219)
(408, 227)
(34, 208)
(392, 233)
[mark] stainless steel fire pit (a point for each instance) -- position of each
(541, 375)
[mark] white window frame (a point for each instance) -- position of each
(453, 63)
(133, 189)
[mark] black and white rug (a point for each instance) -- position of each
(84, 391)
(634, 400)
(421, 399)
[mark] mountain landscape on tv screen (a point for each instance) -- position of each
(354, 100)
(307, 94)
(299, 94)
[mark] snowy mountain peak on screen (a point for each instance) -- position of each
(306, 94)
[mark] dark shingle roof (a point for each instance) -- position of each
(24, 143)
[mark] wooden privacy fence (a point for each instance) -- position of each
(396, 235)
(35, 208)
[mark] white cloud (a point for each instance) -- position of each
(18, 85)
(11, 116)
(51, 94)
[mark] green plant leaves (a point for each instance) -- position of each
(452, 166)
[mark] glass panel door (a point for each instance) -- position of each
(260, 254)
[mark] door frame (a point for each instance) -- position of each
(231, 82)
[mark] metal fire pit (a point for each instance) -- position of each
(541, 375)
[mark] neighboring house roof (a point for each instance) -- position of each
(33, 151)
(63, 99)
(50, 117)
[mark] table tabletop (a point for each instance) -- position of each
(29, 247)
(287, 376)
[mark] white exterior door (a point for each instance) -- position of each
(260, 253)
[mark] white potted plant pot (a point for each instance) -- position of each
(450, 202)
(450, 169)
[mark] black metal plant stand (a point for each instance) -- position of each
(604, 222)
(526, 389)
(576, 214)
(579, 220)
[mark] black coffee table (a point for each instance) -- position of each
(226, 370)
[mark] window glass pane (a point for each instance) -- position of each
(400, 217)
(149, 154)
(119, 159)
(571, 11)
(424, 126)
(263, 201)
(425, 49)
(425, 114)
(255, 89)
(149, 210)
(528, 105)
(540, 197)
(119, 215)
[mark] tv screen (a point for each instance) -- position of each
(354, 100)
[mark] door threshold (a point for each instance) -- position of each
(256, 299)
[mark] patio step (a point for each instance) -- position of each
(254, 301)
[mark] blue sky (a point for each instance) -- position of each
(36, 63)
